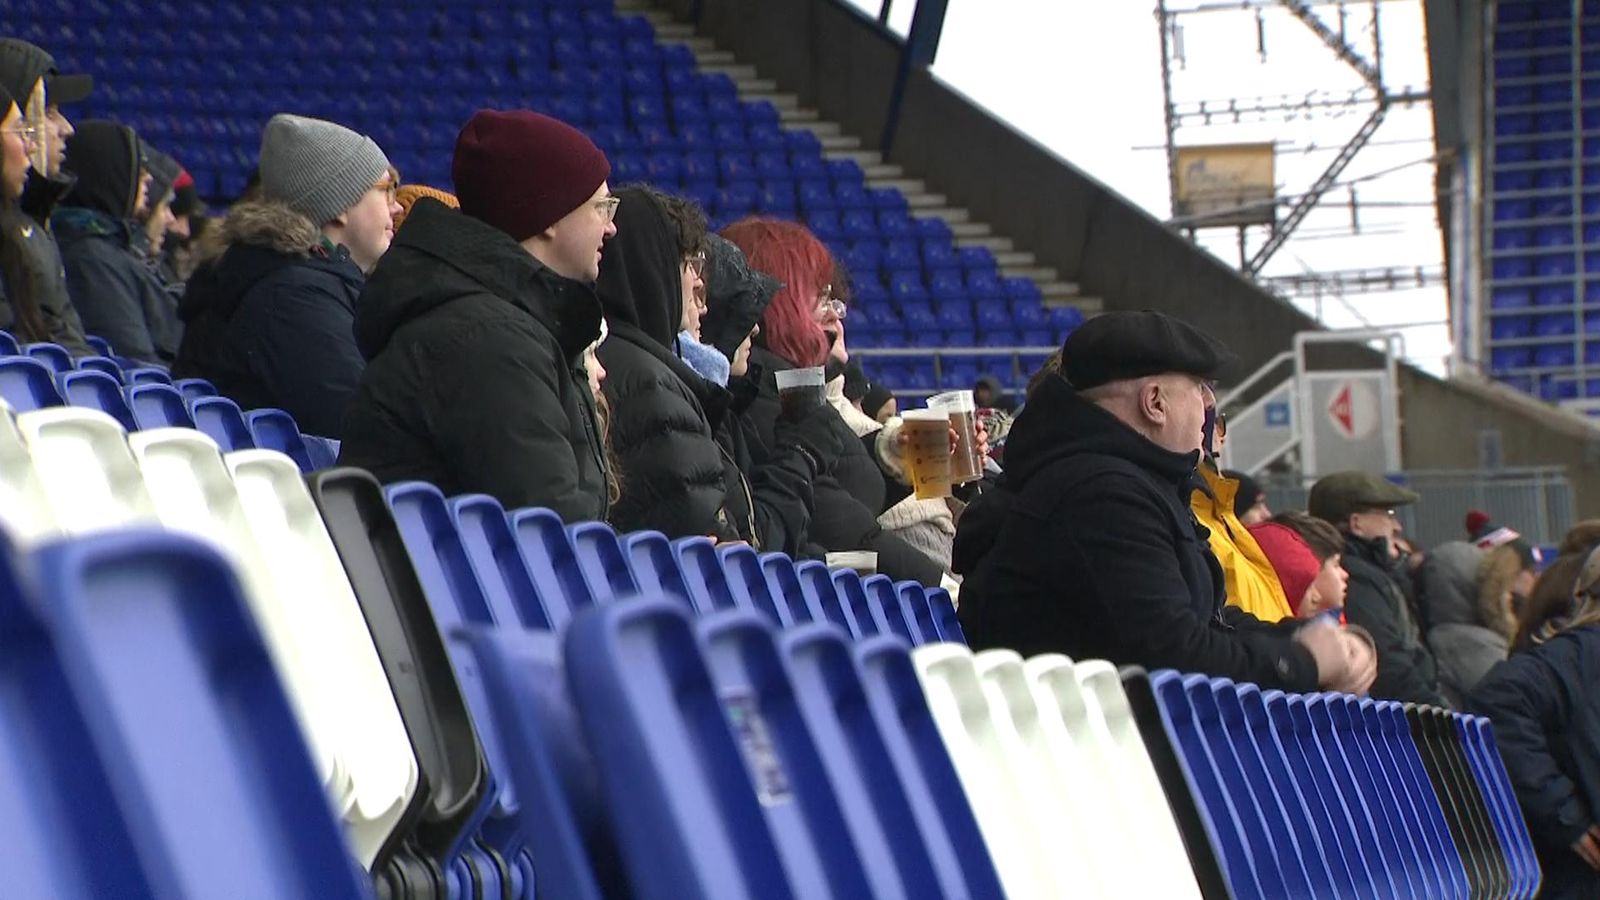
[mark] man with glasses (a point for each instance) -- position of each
(1088, 547)
(475, 325)
(270, 322)
(1362, 507)
(34, 267)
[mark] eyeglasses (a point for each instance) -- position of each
(1222, 424)
(827, 304)
(696, 264)
(390, 189)
(607, 208)
(28, 133)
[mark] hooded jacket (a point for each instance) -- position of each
(269, 317)
(1089, 548)
(1252, 583)
(672, 472)
(1546, 715)
(475, 378)
(1374, 601)
(118, 296)
(1464, 648)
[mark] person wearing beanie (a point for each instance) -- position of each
(1305, 553)
(474, 326)
(269, 313)
(878, 403)
(155, 217)
(409, 194)
(1088, 546)
(1476, 522)
(30, 257)
(1469, 597)
(114, 289)
(1250, 501)
(1364, 509)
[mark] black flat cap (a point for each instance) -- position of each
(1116, 346)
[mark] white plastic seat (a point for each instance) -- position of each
(1056, 806)
(192, 492)
(23, 508)
(88, 475)
(961, 710)
(1166, 861)
(307, 578)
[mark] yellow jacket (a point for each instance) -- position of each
(1252, 583)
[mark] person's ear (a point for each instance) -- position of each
(1153, 401)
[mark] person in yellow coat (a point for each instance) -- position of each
(1252, 583)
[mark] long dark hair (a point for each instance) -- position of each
(16, 263)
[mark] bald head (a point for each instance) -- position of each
(1169, 410)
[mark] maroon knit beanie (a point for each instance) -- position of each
(523, 172)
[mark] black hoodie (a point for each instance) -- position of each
(1089, 549)
(118, 296)
(673, 479)
(475, 377)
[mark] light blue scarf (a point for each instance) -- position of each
(707, 362)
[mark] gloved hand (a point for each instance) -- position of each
(818, 434)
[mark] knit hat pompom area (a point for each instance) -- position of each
(408, 195)
(521, 171)
(318, 168)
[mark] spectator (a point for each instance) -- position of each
(800, 329)
(1468, 601)
(1305, 553)
(1251, 583)
(1089, 547)
(475, 325)
(1362, 507)
(988, 394)
(1477, 523)
(1546, 713)
(1249, 500)
(188, 222)
(1549, 604)
(30, 257)
(878, 404)
(113, 288)
(770, 499)
(672, 471)
(1580, 538)
(269, 320)
(409, 194)
(17, 142)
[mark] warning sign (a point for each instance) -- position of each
(1353, 410)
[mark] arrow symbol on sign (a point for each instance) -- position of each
(1343, 412)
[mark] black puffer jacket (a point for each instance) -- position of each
(118, 295)
(848, 501)
(1375, 601)
(1089, 548)
(475, 378)
(672, 471)
(270, 317)
(1546, 715)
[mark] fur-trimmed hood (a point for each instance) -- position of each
(256, 241)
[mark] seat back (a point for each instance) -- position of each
(27, 384)
(553, 563)
(1348, 770)
(420, 674)
(274, 429)
(918, 612)
(158, 406)
(1418, 805)
(100, 364)
(883, 600)
(54, 356)
(323, 452)
(675, 777)
(862, 618)
(741, 567)
(1480, 734)
(311, 592)
(88, 475)
(194, 388)
(146, 375)
(91, 389)
(603, 561)
(655, 566)
(221, 419)
(1390, 799)
(703, 575)
(944, 616)
(802, 810)
(24, 508)
(163, 655)
(508, 587)
(783, 585)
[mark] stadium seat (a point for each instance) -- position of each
(747, 583)
(28, 384)
(783, 585)
(159, 655)
(449, 754)
(552, 563)
(274, 429)
(100, 364)
(222, 421)
(100, 345)
(24, 509)
(602, 561)
(93, 389)
(88, 476)
(145, 375)
(689, 820)
(157, 406)
(703, 575)
(53, 355)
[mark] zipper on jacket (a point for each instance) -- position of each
(749, 499)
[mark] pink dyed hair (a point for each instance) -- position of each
(790, 253)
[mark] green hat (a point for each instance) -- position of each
(1336, 497)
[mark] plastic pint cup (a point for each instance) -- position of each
(927, 452)
(966, 464)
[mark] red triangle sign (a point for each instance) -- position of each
(1341, 409)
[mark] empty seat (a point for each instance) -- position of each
(28, 384)
(552, 563)
(146, 375)
(24, 508)
(157, 406)
(54, 356)
(93, 389)
(88, 475)
(274, 429)
(222, 421)
(101, 364)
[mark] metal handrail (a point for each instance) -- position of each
(953, 351)
(1280, 359)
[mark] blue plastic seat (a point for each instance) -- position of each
(603, 561)
(918, 612)
(27, 384)
(9, 345)
(157, 406)
(100, 345)
(688, 815)
(53, 355)
(702, 572)
(860, 618)
(889, 610)
(158, 653)
(145, 375)
(96, 390)
(552, 562)
(222, 421)
(747, 583)
(274, 429)
(100, 364)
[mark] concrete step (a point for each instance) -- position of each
(1040, 274)
(748, 86)
(716, 58)
(675, 32)
(951, 214)
(927, 204)
(823, 128)
(1060, 291)
(830, 144)
(970, 230)
(907, 186)
(883, 172)
(785, 103)
(862, 158)
(1015, 259)
(993, 243)
(736, 71)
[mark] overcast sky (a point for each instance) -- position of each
(1083, 77)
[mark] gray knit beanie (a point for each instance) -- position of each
(317, 168)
